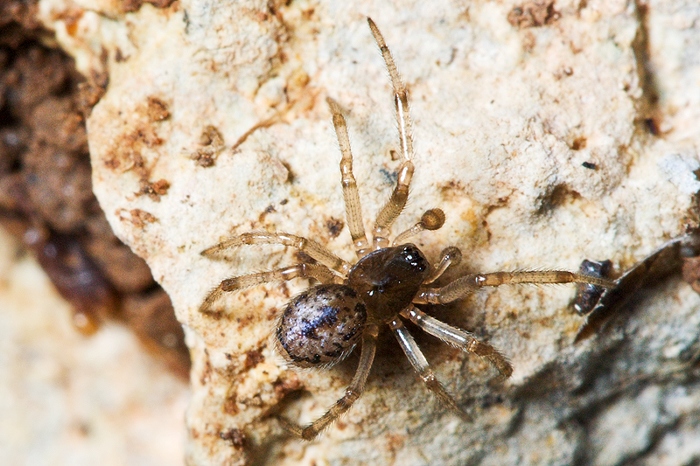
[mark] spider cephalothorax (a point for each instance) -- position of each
(321, 326)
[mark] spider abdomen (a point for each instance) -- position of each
(330, 316)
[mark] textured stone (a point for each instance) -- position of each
(68, 399)
(568, 136)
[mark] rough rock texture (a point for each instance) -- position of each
(548, 132)
(46, 197)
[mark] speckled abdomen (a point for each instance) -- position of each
(330, 315)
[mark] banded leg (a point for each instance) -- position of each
(420, 364)
(466, 341)
(353, 208)
(431, 220)
(396, 203)
(318, 272)
(463, 286)
(352, 393)
(223, 250)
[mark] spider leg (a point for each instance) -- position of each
(353, 208)
(420, 364)
(467, 284)
(223, 250)
(318, 272)
(431, 220)
(396, 203)
(352, 393)
(466, 341)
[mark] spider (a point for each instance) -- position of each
(352, 302)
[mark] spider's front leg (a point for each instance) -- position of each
(463, 286)
(352, 393)
(353, 208)
(399, 196)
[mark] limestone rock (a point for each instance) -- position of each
(547, 132)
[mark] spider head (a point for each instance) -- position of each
(389, 278)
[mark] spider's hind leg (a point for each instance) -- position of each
(352, 393)
(225, 249)
(318, 272)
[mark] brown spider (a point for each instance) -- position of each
(321, 326)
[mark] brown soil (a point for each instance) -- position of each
(46, 197)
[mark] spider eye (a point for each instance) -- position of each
(414, 258)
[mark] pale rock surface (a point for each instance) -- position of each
(504, 119)
(74, 400)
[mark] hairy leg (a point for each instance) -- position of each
(420, 364)
(463, 286)
(466, 341)
(318, 272)
(352, 393)
(224, 250)
(353, 208)
(398, 198)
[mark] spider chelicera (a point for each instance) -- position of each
(321, 326)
